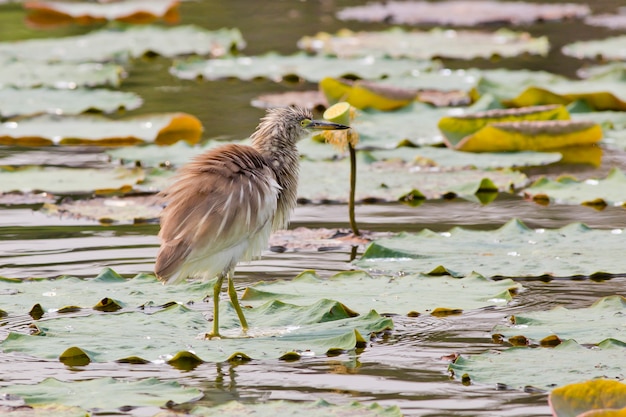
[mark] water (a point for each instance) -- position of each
(407, 367)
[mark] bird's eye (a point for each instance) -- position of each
(305, 122)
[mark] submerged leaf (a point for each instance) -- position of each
(398, 43)
(514, 250)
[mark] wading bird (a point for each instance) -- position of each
(224, 204)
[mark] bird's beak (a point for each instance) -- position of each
(324, 125)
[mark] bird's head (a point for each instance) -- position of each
(290, 124)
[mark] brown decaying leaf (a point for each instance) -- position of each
(308, 99)
(462, 13)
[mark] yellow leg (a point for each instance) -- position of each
(233, 298)
(217, 289)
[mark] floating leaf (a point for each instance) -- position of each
(542, 368)
(612, 21)
(606, 49)
(165, 128)
(104, 394)
(26, 74)
(310, 68)
(610, 191)
(307, 99)
(363, 94)
(109, 210)
(457, 128)
(600, 395)
(393, 295)
(531, 136)
(14, 102)
(282, 408)
(70, 180)
(131, 11)
(514, 250)
(398, 43)
(134, 41)
(462, 13)
(590, 325)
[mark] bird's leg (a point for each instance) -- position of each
(233, 298)
(217, 289)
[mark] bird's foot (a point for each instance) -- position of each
(212, 335)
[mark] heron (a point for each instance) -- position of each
(224, 204)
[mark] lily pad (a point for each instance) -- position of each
(115, 44)
(14, 102)
(281, 408)
(165, 128)
(612, 21)
(599, 395)
(25, 74)
(108, 210)
(514, 250)
(69, 180)
(398, 43)
(132, 11)
(542, 368)
(307, 99)
(391, 295)
(610, 191)
(310, 68)
(606, 49)
(462, 13)
(105, 394)
(603, 320)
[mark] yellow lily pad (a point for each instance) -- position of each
(364, 94)
(599, 394)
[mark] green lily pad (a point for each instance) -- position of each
(151, 155)
(69, 180)
(277, 329)
(462, 13)
(398, 43)
(134, 41)
(28, 74)
(595, 396)
(56, 410)
(603, 320)
(543, 368)
(310, 68)
(607, 49)
(281, 408)
(514, 250)
(14, 102)
(164, 128)
(610, 191)
(104, 394)
(390, 295)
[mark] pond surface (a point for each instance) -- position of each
(407, 367)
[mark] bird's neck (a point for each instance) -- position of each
(283, 159)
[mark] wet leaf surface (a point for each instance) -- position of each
(607, 49)
(437, 43)
(603, 396)
(24, 74)
(462, 13)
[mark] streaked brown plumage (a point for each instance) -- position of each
(224, 204)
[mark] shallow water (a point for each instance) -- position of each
(406, 366)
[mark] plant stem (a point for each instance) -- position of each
(353, 225)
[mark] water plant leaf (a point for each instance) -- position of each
(456, 128)
(363, 95)
(104, 394)
(390, 295)
(131, 11)
(28, 74)
(283, 408)
(398, 43)
(542, 368)
(589, 325)
(24, 102)
(607, 49)
(602, 192)
(513, 250)
(69, 180)
(596, 395)
(163, 129)
(531, 136)
(135, 210)
(615, 21)
(300, 66)
(462, 13)
(116, 44)
(392, 181)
